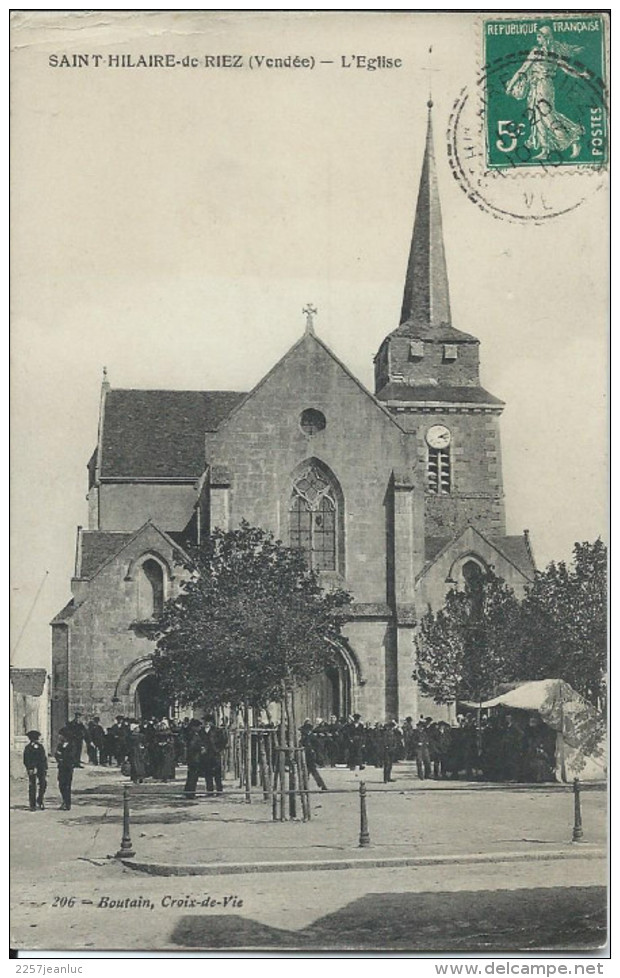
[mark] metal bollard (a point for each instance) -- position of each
(577, 827)
(126, 850)
(364, 834)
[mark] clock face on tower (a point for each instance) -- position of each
(438, 436)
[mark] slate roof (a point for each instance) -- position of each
(29, 682)
(98, 546)
(65, 613)
(431, 392)
(515, 548)
(441, 333)
(160, 433)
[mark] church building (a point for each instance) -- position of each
(396, 496)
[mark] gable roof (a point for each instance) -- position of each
(96, 553)
(159, 434)
(97, 547)
(310, 336)
(65, 613)
(514, 549)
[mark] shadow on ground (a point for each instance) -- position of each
(467, 921)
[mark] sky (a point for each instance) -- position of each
(171, 224)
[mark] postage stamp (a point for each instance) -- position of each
(544, 91)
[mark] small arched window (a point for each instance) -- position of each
(150, 590)
(315, 514)
(474, 576)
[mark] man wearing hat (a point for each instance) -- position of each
(196, 752)
(116, 740)
(389, 738)
(35, 762)
(356, 736)
(309, 743)
(77, 733)
(422, 752)
(64, 755)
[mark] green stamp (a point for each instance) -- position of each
(544, 91)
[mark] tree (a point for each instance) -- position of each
(251, 622)
(564, 622)
(471, 645)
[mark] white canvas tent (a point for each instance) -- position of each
(580, 750)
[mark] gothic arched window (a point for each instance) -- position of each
(150, 590)
(315, 514)
(474, 576)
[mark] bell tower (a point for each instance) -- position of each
(428, 372)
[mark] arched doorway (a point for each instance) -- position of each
(150, 699)
(326, 694)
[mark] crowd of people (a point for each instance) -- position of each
(498, 747)
(150, 748)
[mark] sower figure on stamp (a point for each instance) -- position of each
(550, 130)
(35, 762)
(65, 764)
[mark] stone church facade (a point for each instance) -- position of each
(394, 495)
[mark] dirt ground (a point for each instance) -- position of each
(67, 893)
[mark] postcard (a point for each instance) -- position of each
(309, 412)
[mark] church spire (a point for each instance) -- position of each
(426, 299)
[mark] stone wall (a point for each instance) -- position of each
(127, 506)
(105, 638)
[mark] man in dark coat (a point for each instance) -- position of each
(512, 750)
(114, 737)
(422, 752)
(308, 742)
(35, 762)
(196, 751)
(96, 740)
(390, 743)
(356, 742)
(64, 761)
(217, 742)
(409, 738)
(77, 734)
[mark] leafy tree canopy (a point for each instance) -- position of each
(564, 622)
(469, 646)
(249, 618)
(483, 636)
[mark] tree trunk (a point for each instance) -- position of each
(281, 755)
(248, 749)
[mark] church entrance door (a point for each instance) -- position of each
(327, 694)
(150, 699)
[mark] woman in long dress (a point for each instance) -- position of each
(164, 768)
(550, 130)
(137, 754)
